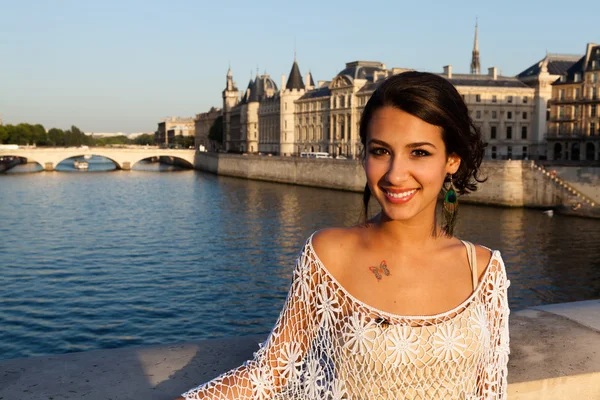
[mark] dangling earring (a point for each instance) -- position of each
(450, 208)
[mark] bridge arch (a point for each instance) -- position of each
(80, 155)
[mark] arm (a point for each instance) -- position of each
(496, 369)
(278, 359)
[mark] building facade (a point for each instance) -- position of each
(540, 77)
(574, 125)
(170, 127)
(509, 111)
(202, 124)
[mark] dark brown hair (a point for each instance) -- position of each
(436, 101)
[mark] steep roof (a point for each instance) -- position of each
(557, 64)
(320, 92)
(311, 82)
(295, 80)
(484, 80)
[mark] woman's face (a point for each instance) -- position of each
(406, 164)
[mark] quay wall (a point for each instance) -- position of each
(509, 183)
(541, 365)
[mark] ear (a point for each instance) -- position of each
(452, 163)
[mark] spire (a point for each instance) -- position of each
(295, 79)
(475, 68)
(311, 81)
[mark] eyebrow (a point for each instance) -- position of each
(410, 145)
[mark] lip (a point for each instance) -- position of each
(400, 200)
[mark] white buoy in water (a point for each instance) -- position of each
(549, 213)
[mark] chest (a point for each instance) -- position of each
(408, 290)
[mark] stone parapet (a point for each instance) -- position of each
(555, 354)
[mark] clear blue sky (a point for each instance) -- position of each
(110, 66)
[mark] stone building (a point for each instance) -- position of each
(501, 107)
(326, 117)
(574, 125)
(202, 124)
(540, 77)
(170, 127)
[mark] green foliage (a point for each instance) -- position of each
(216, 130)
(184, 141)
(26, 134)
(145, 139)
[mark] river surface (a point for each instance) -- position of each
(106, 259)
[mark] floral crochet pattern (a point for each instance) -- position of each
(326, 344)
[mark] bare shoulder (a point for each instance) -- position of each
(335, 246)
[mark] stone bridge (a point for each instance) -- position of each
(124, 158)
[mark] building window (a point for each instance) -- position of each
(478, 98)
(594, 94)
(509, 152)
(509, 132)
(524, 114)
(509, 115)
(525, 99)
(494, 115)
(594, 76)
(561, 94)
(577, 91)
(524, 152)
(577, 77)
(593, 110)
(523, 132)
(509, 99)
(493, 132)
(493, 152)
(592, 128)
(561, 111)
(478, 114)
(494, 98)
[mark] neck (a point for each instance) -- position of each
(416, 233)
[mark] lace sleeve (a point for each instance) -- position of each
(496, 369)
(279, 358)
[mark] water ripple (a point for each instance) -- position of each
(106, 260)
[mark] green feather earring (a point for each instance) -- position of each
(450, 208)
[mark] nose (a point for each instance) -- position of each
(398, 171)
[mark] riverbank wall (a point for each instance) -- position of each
(509, 183)
(555, 355)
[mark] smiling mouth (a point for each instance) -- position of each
(400, 195)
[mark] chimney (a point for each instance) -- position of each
(282, 82)
(493, 72)
(448, 71)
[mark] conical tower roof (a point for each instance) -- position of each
(311, 81)
(295, 80)
(254, 95)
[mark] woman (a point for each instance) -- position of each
(396, 307)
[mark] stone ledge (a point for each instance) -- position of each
(552, 357)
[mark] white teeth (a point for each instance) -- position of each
(400, 195)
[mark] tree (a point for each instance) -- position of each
(3, 134)
(216, 130)
(145, 139)
(56, 137)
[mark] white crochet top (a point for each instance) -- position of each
(327, 344)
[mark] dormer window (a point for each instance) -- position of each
(563, 78)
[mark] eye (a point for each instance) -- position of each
(420, 153)
(378, 151)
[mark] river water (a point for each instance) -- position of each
(105, 259)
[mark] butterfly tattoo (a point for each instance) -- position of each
(381, 269)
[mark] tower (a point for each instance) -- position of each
(230, 100)
(475, 57)
(292, 91)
